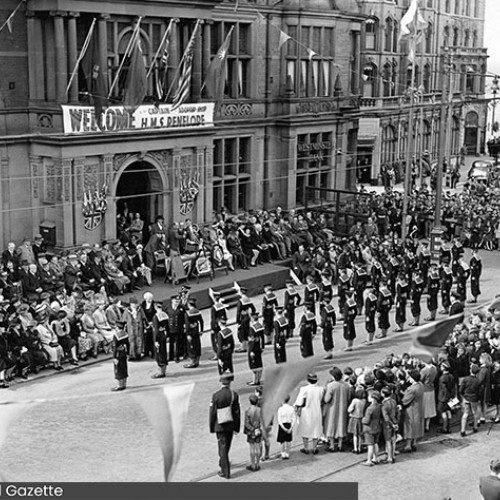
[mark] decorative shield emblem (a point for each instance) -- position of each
(94, 207)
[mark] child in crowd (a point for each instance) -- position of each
(286, 421)
(372, 426)
(356, 411)
(253, 431)
(390, 416)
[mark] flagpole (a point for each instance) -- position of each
(167, 31)
(9, 19)
(82, 54)
(131, 43)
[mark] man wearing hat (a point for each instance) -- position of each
(38, 246)
(176, 344)
(224, 421)
(433, 283)
(280, 336)
(120, 353)
(291, 302)
(244, 309)
(217, 311)
(193, 324)
(307, 330)
(225, 346)
(327, 324)
(160, 338)
(269, 302)
(350, 313)
(255, 346)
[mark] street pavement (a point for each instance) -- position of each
(86, 433)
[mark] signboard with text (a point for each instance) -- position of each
(81, 119)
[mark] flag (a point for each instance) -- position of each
(429, 339)
(161, 79)
(9, 25)
(280, 380)
(284, 37)
(217, 71)
(9, 20)
(166, 409)
(95, 77)
(186, 71)
(136, 82)
(412, 25)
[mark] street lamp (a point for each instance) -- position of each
(494, 89)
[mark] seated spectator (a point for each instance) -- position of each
(48, 339)
(235, 249)
(61, 328)
(72, 274)
(141, 267)
(119, 281)
(89, 330)
(32, 287)
(248, 246)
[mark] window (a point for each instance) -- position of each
(468, 7)
(311, 76)
(466, 38)
(474, 39)
(314, 165)
(239, 58)
(447, 6)
(389, 143)
(455, 37)
(476, 8)
(457, 6)
(427, 78)
(369, 80)
(470, 78)
(232, 174)
(427, 136)
(428, 39)
(389, 26)
(446, 36)
(387, 79)
(371, 28)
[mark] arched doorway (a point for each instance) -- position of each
(140, 190)
(471, 132)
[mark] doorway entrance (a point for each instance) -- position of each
(140, 190)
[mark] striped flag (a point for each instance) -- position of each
(186, 71)
(161, 80)
(166, 409)
(279, 381)
(429, 339)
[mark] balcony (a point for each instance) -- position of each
(394, 102)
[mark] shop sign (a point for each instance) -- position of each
(81, 119)
(315, 150)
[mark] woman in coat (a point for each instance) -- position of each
(308, 405)
(337, 398)
(413, 411)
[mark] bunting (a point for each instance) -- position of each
(217, 72)
(166, 409)
(185, 71)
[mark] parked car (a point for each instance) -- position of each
(481, 171)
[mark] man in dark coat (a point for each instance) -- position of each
(176, 344)
(476, 268)
(489, 486)
(224, 426)
(218, 311)
(193, 322)
(160, 337)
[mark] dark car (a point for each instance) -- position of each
(481, 171)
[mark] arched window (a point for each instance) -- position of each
(470, 79)
(474, 39)
(389, 26)
(387, 79)
(457, 6)
(468, 8)
(455, 37)
(389, 143)
(408, 75)
(447, 6)
(369, 78)
(476, 9)
(428, 39)
(371, 29)
(446, 36)
(466, 38)
(427, 78)
(395, 38)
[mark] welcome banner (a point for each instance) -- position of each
(81, 119)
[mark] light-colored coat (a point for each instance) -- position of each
(310, 420)
(413, 404)
(337, 398)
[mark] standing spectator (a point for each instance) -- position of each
(495, 391)
(308, 405)
(446, 392)
(372, 427)
(428, 376)
(413, 411)
(470, 390)
(356, 410)
(484, 377)
(253, 430)
(134, 327)
(337, 398)
(224, 421)
(286, 421)
(120, 353)
(489, 486)
(390, 420)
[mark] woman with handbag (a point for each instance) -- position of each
(253, 430)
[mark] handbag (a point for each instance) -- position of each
(225, 415)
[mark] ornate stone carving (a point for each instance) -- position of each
(162, 157)
(66, 179)
(90, 177)
(45, 120)
(35, 162)
(119, 160)
(238, 109)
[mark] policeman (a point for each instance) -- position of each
(307, 330)
(350, 313)
(433, 283)
(225, 346)
(269, 302)
(217, 311)
(244, 309)
(291, 302)
(193, 322)
(160, 339)
(255, 345)
(327, 324)
(384, 305)
(280, 336)
(402, 289)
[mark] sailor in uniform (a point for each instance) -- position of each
(433, 283)
(217, 311)
(402, 289)
(280, 336)
(269, 302)
(350, 313)
(359, 281)
(311, 293)
(446, 285)
(255, 346)
(193, 322)
(476, 268)
(463, 273)
(244, 309)
(417, 288)
(370, 312)
(384, 305)
(225, 347)
(308, 328)
(327, 324)
(291, 302)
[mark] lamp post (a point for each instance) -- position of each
(494, 89)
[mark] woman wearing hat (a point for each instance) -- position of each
(308, 407)
(134, 327)
(120, 353)
(49, 339)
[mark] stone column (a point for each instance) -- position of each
(206, 44)
(39, 90)
(290, 152)
(48, 57)
(197, 55)
(208, 181)
(61, 59)
(102, 30)
(32, 73)
(72, 56)
(176, 167)
(110, 215)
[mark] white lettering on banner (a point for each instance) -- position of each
(81, 119)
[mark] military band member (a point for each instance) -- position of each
(327, 324)
(394, 269)
(120, 355)
(193, 323)
(350, 313)
(307, 330)
(217, 311)
(402, 289)
(311, 293)
(377, 273)
(424, 262)
(280, 336)
(359, 281)
(225, 347)
(370, 312)
(269, 302)
(433, 281)
(417, 288)
(446, 285)
(384, 305)
(463, 273)
(476, 268)
(160, 339)
(325, 290)
(255, 345)
(457, 251)
(291, 302)
(244, 309)
(344, 284)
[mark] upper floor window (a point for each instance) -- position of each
(457, 6)
(466, 38)
(389, 35)
(446, 36)
(371, 29)
(447, 6)
(455, 37)
(428, 39)
(474, 38)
